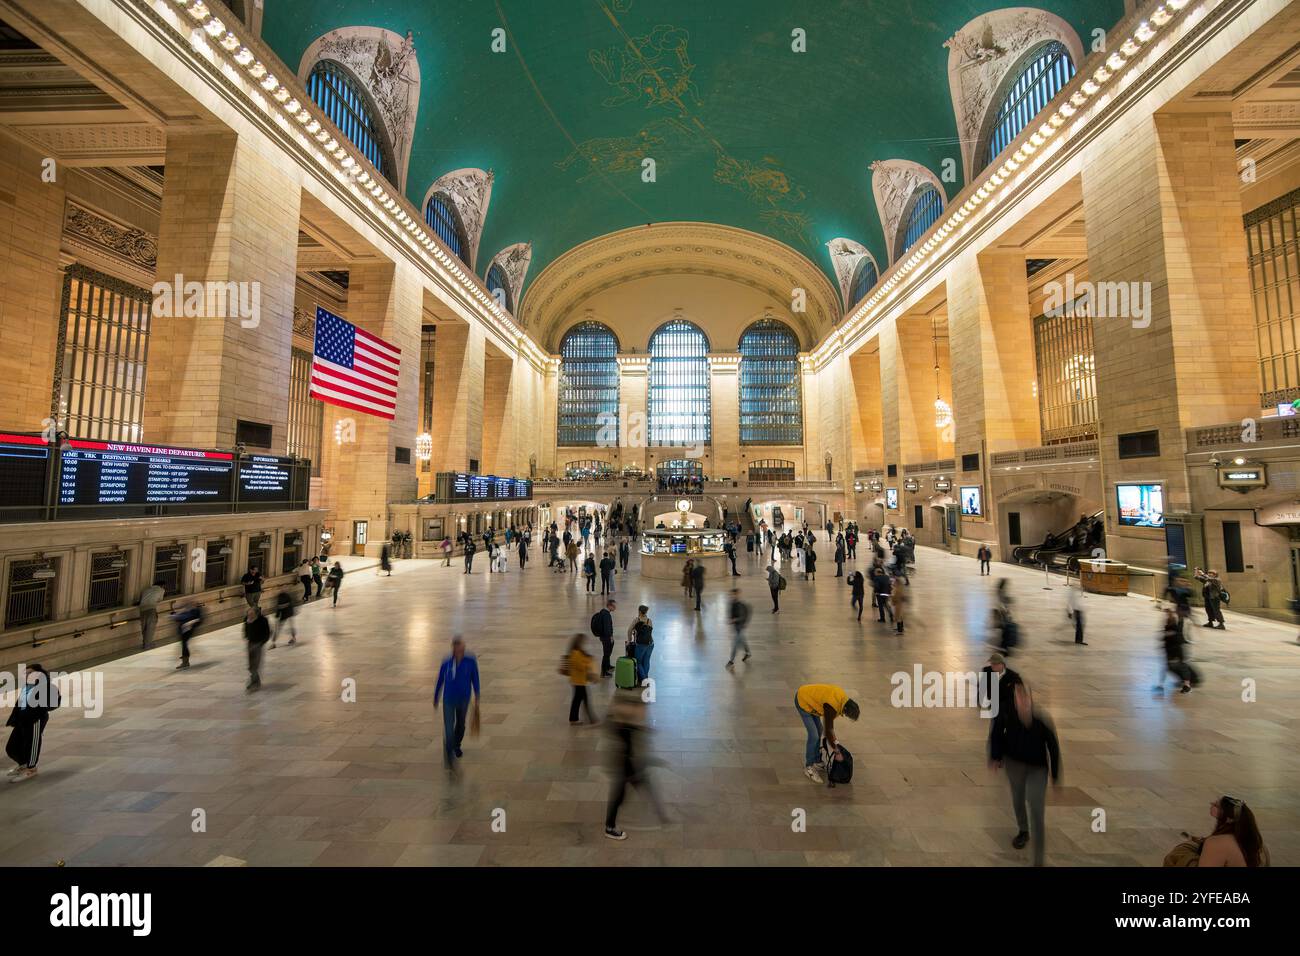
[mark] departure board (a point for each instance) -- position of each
(24, 469)
(458, 486)
(141, 479)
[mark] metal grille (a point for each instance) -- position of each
(31, 599)
(306, 414)
(771, 403)
(259, 555)
(1271, 237)
(864, 279)
(771, 469)
(101, 357)
(924, 212)
(1046, 73)
(216, 564)
(1067, 381)
(167, 569)
(677, 400)
(588, 401)
(107, 581)
(346, 103)
(496, 279)
(440, 218)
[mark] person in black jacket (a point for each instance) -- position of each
(624, 552)
(882, 586)
(697, 582)
(257, 631)
(839, 556)
(607, 573)
(38, 696)
(1029, 751)
(859, 586)
(809, 563)
(602, 626)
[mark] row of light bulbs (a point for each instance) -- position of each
(257, 71)
(1144, 33)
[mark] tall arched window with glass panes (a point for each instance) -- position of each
(865, 277)
(677, 397)
(336, 91)
(587, 410)
(1041, 76)
(496, 285)
(771, 401)
(442, 220)
(923, 212)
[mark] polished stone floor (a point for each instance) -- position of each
(295, 775)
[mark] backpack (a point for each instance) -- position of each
(780, 583)
(1225, 597)
(593, 623)
(837, 771)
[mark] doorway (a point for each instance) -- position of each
(359, 532)
(918, 517)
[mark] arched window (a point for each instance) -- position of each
(588, 400)
(496, 279)
(923, 212)
(864, 279)
(1044, 73)
(771, 407)
(347, 104)
(678, 396)
(442, 220)
(771, 469)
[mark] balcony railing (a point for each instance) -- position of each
(1073, 451)
(1236, 434)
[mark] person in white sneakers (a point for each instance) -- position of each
(815, 703)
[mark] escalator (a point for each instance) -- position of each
(1061, 552)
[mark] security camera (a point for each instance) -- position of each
(1214, 461)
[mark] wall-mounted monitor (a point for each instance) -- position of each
(891, 499)
(1141, 506)
(972, 501)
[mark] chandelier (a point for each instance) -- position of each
(424, 446)
(942, 413)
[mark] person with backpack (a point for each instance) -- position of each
(31, 713)
(859, 585)
(817, 703)
(284, 611)
(589, 572)
(257, 631)
(602, 626)
(1028, 750)
(578, 668)
(738, 614)
(641, 636)
(775, 584)
(1213, 594)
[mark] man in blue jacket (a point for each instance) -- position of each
(457, 679)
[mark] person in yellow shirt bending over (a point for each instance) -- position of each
(815, 703)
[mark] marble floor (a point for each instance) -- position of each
(296, 775)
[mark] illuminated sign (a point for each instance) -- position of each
(1243, 477)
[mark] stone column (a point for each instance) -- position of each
(498, 415)
(724, 393)
(458, 396)
(547, 462)
(1173, 325)
(634, 431)
(230, 222)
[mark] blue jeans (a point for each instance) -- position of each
(453, 727)
(813, 724)
(641, 653)
(738, 642)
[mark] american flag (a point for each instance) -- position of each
(352, 368)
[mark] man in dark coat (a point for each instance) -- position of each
(602, 625)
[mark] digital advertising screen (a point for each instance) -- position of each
(972, 501)
(891, 499)
(1141, 506)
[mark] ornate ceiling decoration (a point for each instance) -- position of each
(894, 182)
(846, 256)
(470, 192)
(513, 261)
(679, 248)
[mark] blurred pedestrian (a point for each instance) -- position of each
(738, 614)
(1029, 751)
(457, 687)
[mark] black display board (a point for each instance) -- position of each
(453, 487)
(269, 483)
(24, 477)
(116, 479)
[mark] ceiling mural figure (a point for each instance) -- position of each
(469, 191)
(513, 261)
(982, 54)
(385, 64)
(846, 255)
(654, 69)
(623, 154)
(893, 183)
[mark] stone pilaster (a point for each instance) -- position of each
(459, 358)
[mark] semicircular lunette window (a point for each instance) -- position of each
(864, 280)
(771, 405)
(496, 286)
(439, 217)
(587, 409)
(1045, 72)
(925, 209)
(677, 398)
(347, 105)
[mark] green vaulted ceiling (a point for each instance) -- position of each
(743, 130)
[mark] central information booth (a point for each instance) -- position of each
(667, 547)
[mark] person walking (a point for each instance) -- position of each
(578, 668)
(589, 572)
(607, 573)
(839, 556)
(810, 562)
(817, 703)
(641, 635)
(1175, 655)
(688, 578)
(1074, 611)
(470, 548)
(284, 612)
(602, 626)
(304, 577)
(316, 578)
(1028, 751)
(571, 552)
(730, 549)
(188, 617)
(898, 601)
(859, 585)
(738, 614)
(775, 584)
(257, 631)
(881, 588)
(336, 583)
(626, 723)
(457, 686)
(385, 560)
(446, 551)
(985, 555)
(697, 582)
(522, 542)
(252, 582)
(31, 712)
(624, 553)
